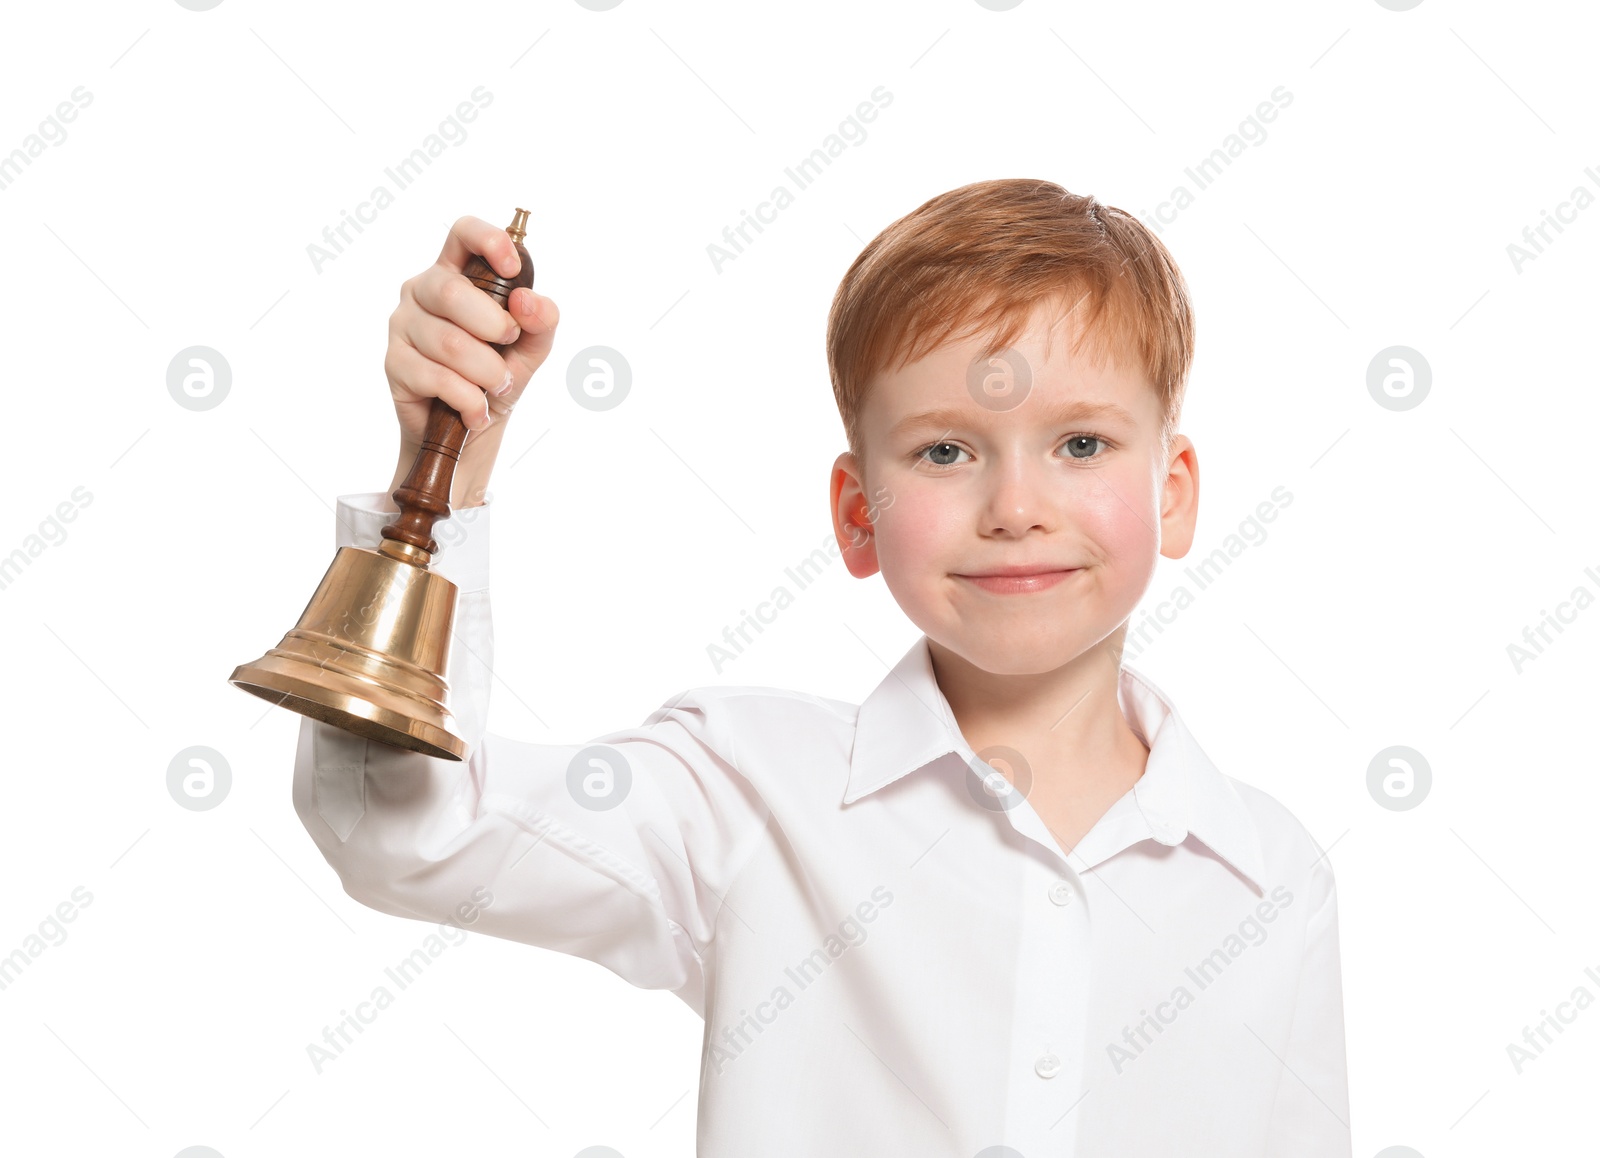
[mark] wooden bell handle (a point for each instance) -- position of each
(424, 497)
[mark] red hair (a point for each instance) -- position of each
(980, 258)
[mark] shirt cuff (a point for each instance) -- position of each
(463, 538)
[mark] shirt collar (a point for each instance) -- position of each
(906, 724)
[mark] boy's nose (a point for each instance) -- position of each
(1019, 499)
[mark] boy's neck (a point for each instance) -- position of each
(1066, 723)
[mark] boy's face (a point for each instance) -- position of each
(1015, 469)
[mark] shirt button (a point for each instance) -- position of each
(1048, 1065)
(1061, 892)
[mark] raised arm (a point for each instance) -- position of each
(619, 849)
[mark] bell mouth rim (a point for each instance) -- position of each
(351, 712)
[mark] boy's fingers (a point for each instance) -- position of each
(454, 350)
(446, 293)
(530, 313)
(473, 235)
(423, 377)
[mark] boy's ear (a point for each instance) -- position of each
(852, 522)
(1180, 499)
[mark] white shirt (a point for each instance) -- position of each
(890, 959)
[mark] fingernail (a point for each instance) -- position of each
(506, 385)
(516, 332)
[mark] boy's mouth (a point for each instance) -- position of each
(1018, 578)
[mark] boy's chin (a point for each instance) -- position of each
(1018, 652)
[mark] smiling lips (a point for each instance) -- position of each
(1018, 579)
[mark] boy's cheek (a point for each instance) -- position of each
(915, 532)
(1118, 512)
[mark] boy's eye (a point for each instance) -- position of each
(1076, 448)
(936, 454)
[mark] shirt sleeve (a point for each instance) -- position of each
(619, 850)
(1311, 1114)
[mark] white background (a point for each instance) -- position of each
(1378, 611)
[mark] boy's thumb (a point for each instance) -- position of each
(537, 316)
(533, 311)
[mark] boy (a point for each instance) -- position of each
(1005, 906)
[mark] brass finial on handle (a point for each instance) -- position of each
(518, 229)
(424, 496)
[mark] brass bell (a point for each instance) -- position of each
(371, 651)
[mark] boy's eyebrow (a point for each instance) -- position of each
(947, 417)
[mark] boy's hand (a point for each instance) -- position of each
(440, 340)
